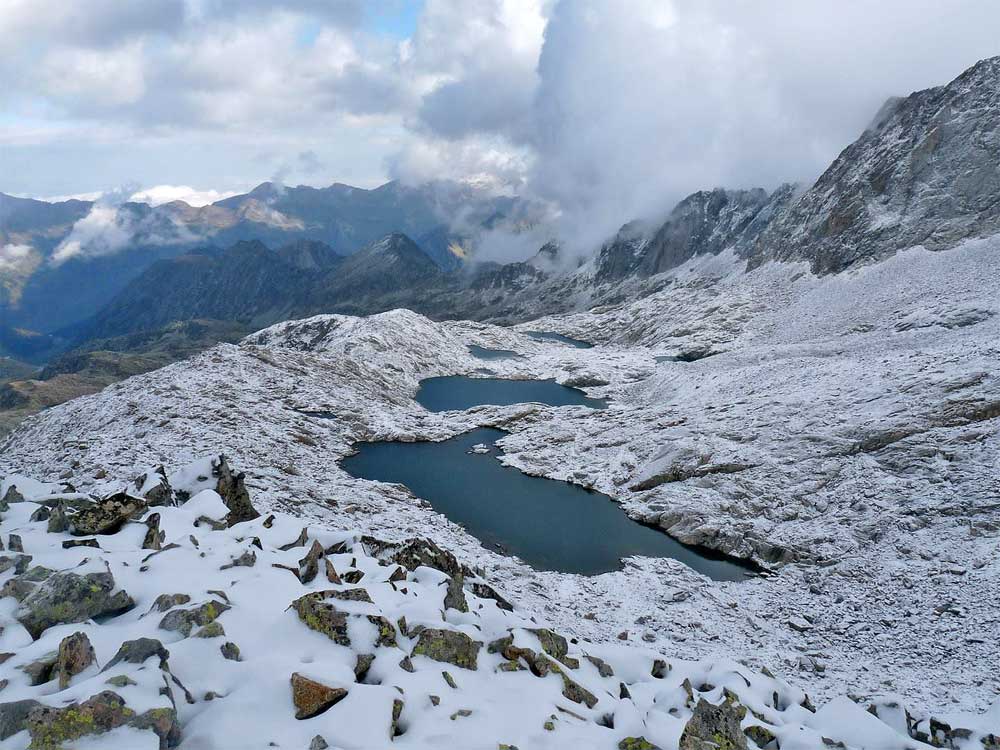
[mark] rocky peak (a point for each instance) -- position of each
(924, 173)
(706, 222)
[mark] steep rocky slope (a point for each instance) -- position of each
(925, 173)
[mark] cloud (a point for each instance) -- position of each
(635, 110)
(160, 194)
(600, 111)
(13, 256)
(103, 231)
(113, 224)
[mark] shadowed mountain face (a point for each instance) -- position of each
(44, 288)
(254, 285)
(247, 282)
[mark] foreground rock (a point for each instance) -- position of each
(376, 654)
(69, 597)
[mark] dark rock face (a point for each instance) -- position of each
(234, 493)
(924, 173)
(14, 716)
(69, 597)
(160, 493)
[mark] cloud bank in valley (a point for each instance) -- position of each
(602, 110)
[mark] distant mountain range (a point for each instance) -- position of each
(925, 172)
(63, 261)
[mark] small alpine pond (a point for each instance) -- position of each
(460, 392)
(481, 352)
(550, 336)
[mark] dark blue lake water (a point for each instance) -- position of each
(549, 336)
(480, 352)
(549, 524)
(459, 392)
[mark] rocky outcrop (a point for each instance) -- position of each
(106, 516)
(75, 655)
(312, 698)
(234, 494)
(924, 173)
(51, 728)
(714, 727)
(704, 223)
(448, 646)
(69, 597)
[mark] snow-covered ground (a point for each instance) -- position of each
(175, 629)
(843, 431)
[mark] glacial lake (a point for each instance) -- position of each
(551, 525)
(481, 352)
(549, 336)
(459, 392)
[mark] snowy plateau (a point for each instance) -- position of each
(841, 431)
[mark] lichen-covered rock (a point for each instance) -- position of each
(52, 728)
(58, 520)
(761, 736)
(603, 668)
(18, 562)
(636, 743)
(230, 651)
(449, 646)
(572, 690)
(234, 494)
(312, 698)
(69, 597)
(75, 655)
(212, 630)
(14, 716)
(714, 727)
(184, 621)
(106, 516)
(322, 616)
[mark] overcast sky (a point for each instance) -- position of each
(607, 109)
